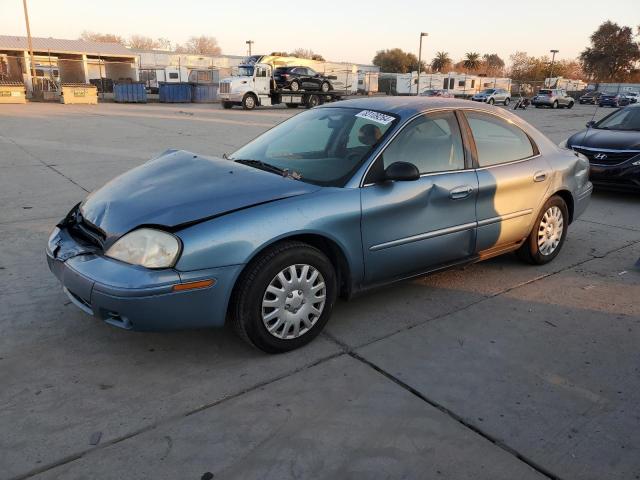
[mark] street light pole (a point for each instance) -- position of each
(26, 19)
(249, 42)
(553, 58)
(422, 34)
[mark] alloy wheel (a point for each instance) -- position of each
(293, 301)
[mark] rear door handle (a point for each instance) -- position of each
(539, 176)
(460, 192)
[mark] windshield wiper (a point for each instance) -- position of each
(267, 167)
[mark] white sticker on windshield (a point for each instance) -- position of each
(376, 116)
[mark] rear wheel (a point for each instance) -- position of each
(294, 86)
(291, 105)
(312, 101)
(249, 102)
(555, 104)
(325, 87)
(506, 101)
(570, 105)
(548, 234)
(491, 101)
(284, 298)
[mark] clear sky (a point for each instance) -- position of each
(343, 31)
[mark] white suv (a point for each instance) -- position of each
(493, 95)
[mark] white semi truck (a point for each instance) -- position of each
(253, 85)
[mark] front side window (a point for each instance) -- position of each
(325, 146)
(497, 140)
(431, 142)
(173, 75)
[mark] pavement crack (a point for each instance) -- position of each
(454, 416)
(165, 421)
(45, 164)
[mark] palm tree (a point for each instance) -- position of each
(441, 61)
(471, 61)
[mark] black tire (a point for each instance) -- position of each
(529, 251)
(249, 102)
(491, 101)
(325, 87)
(537, 106)
(312, 101)
(227, 105)
(291, 105)
(294, 86)
(246, 303)
(506, 101)
(570, 106)
(555, 104)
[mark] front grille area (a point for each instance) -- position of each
(609, 159)
(87, 234)
(225, 87)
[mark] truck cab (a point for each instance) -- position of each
(252, 85)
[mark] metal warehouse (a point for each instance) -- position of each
(58, 61)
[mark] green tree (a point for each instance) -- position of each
(612, 54)
(471, 61)
(396, 60)
(441, 62)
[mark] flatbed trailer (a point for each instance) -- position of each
(259, 89)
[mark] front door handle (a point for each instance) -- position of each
(460, 192)
(539, 176)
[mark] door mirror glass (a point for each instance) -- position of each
(401, 172)
(591, 123)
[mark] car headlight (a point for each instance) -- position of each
(146, 247)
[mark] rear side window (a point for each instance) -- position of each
(497, 140)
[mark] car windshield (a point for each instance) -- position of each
(245, 71)
(323, 146)
(625, 119)
(489, 90)
(545, 92)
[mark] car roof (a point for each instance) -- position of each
(406, 107)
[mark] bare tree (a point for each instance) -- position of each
(140, 42)
(88, 36)
(201, 45)
(307, 53)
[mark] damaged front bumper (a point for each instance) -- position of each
(133, 297)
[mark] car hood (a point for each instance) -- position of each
(610, 139)
(180, 188)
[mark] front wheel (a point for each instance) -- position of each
(294, 86)
(491, 101)
(555, 104)
(227, 105)
(570, 106)
(548, 234)
(249, 102)
(284, 298)
(506, 101)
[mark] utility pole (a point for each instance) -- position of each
(422, 34)
(553, 58)
(26, 19)
(249, 42)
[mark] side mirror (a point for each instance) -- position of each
(591, 123)
(401, 172)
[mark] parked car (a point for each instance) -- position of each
(552, 97)
(632, 96)
(612, 146)
(333, 201)
(301, 78)
(613, 100)
(590, 97)
(493, 95)
(437, 93)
